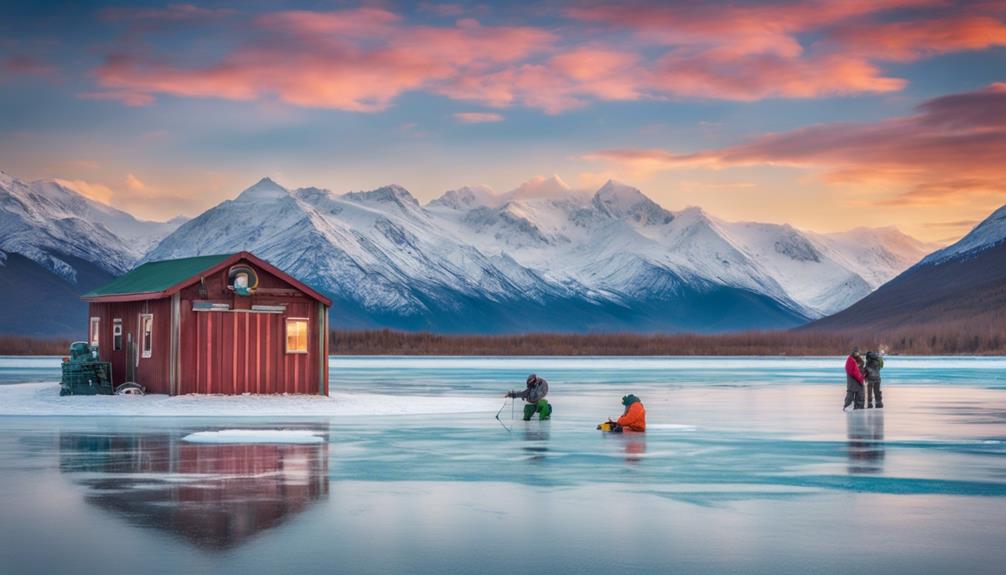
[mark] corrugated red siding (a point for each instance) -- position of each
(151, 372)
(225, 352)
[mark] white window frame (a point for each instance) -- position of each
(117, 332)
(94, 338)
(307, 331)
(144, 352)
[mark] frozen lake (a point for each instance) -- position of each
(749, 466)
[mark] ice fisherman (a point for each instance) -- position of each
(874, 363)
(854, 381)
(633, 418)
(534, 396)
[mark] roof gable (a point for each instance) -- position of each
(162, 278)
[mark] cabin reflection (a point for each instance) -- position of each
(214, 496)
(866, 441)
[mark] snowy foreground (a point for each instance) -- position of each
(44, 399)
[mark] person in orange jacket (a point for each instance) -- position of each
(634, 418)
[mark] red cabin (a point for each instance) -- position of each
(226, 324)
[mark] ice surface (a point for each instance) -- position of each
(747, 466)
(259, 436)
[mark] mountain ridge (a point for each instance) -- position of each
(540, 257)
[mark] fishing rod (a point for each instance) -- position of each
(502, 407)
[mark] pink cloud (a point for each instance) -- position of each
(478, 117)
(22, 65)
(362, 59)
(911, 40)
(952, 148)
(357, 60)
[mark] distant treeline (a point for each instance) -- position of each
(929, 341)
(19, 345)
(951, 339)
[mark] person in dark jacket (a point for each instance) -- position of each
(534, 396)
(854, 391)
(874, 363)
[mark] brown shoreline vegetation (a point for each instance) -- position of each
(991, 340)
(926, 341)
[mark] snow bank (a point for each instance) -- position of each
(44, 399)
(298, 436)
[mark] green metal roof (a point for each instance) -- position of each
(157, 276)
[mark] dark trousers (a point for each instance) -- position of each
(873, 390)
(854, 394)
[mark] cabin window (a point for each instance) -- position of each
(146, 335)
(117, 334)
(95, 328)
(296, 335)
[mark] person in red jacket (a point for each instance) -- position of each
(634, 418)
(854, 390)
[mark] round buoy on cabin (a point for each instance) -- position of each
(242, 279)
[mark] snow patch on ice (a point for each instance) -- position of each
(271, 436)
(44, 399)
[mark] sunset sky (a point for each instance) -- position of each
(826, 115)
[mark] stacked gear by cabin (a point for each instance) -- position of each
(84, 373)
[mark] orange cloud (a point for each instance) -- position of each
(98, 192)
(952, 148)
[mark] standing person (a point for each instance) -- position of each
(534, 395)
(874, 363)
(854, 391)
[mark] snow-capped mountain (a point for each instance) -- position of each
(960, 287)
(56, 242)
(543, 257)
(990, 233)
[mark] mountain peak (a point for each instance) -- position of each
(265, 189)
(623, 201)
(540, 187)
(989, 233)
(393, 194)
(467, 197)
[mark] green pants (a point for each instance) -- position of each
(542, 407)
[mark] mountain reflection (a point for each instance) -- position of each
(215, 496)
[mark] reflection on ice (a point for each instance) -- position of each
(214, 496)
(866, 440)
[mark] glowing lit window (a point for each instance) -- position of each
(296, 335)
(147, 335)
(116, 334)
(95, 328)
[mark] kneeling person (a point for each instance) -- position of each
(634, 418)
(534, 395)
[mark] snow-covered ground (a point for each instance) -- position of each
(256, 436)
(44, 399)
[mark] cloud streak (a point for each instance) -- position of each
(952, 148)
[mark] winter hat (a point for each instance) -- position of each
(628, 400)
